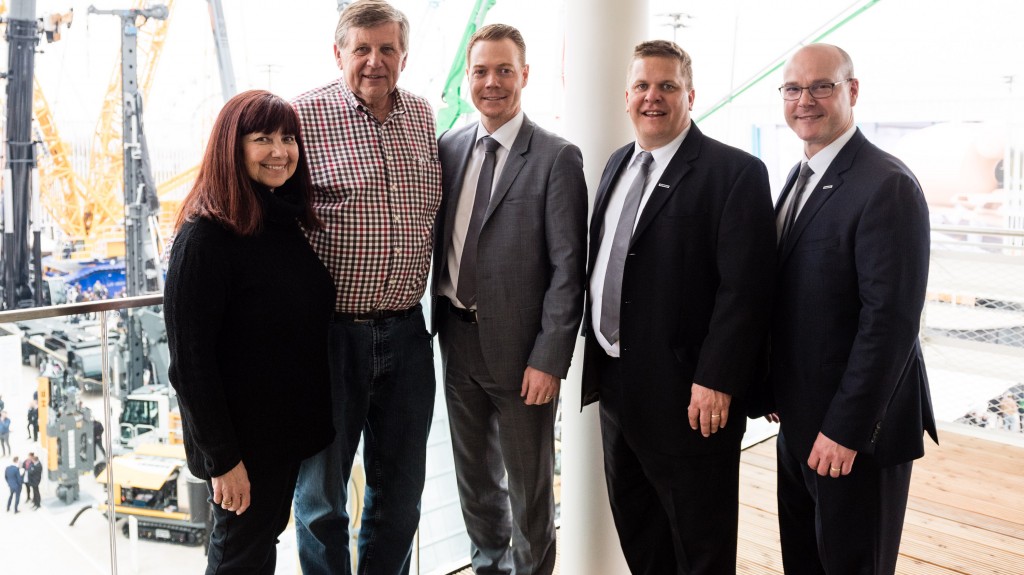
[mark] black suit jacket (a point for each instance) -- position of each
(845, 358)
(696, 292)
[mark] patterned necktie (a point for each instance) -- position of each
(611, 300)
(466, 292)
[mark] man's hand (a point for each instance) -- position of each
(539, 387)
(231, 490)
(829, 458)
(709, 409)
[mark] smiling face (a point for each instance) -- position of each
(497, 77)
(658, 100)
(819, 122)
(270, 159)
(371, 60)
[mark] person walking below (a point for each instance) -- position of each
(32, 421)
(13, 476)
(5, 433)
(33, 477)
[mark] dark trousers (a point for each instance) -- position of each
(849, 525)
(14, 496)
(674, 515)
(32, 492)
(510, 518)
(245, 544)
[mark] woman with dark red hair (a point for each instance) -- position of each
(247, 305)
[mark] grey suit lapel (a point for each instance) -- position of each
(513, 165)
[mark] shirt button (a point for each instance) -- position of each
(389, 156)
(398, 251)
(398, 219)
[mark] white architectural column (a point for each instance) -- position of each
(599, 40)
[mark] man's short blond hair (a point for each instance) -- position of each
(370, 14)
(664, 49)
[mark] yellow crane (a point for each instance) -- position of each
(90, 208)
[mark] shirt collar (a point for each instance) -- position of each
(823, 159)
(505, 135)
(356, 104)
(664, 154)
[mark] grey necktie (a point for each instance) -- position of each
(794, 206)
(611, 300)
(466, 291)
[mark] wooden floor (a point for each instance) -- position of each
(965, 515)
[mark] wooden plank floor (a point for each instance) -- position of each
(965, 515)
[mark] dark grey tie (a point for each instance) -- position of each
(466, 291)
(794, 206)
(611, 300)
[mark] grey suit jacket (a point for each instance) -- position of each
(531, 252)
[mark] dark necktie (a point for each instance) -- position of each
(794, 206)
(466, 291)
(611, 300)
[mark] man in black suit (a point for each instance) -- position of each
(846, 367)
(678, 308)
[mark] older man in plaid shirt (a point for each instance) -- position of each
(373, 156)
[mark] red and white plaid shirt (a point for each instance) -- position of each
(377, 187)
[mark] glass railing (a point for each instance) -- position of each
(78, 361)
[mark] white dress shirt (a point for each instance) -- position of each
(505, 136)
(819, 163)
(661, 157)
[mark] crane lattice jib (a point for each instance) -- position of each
(61, 191)
(106, 158)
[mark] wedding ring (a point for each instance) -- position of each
(835, 468)
(228, 503)
(714, 415)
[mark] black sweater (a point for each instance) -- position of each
(247, 321)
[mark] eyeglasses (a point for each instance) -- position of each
(817, 91)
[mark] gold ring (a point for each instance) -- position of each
(835, 468)
(228, 503)
(714, 415)
(548, 398)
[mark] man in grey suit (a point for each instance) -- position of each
(509, 259)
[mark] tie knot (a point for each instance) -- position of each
(645, 159)
(490, 144)
(805, 170)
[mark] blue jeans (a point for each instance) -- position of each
(382, 381)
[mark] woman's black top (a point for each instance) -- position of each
(247, 321)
